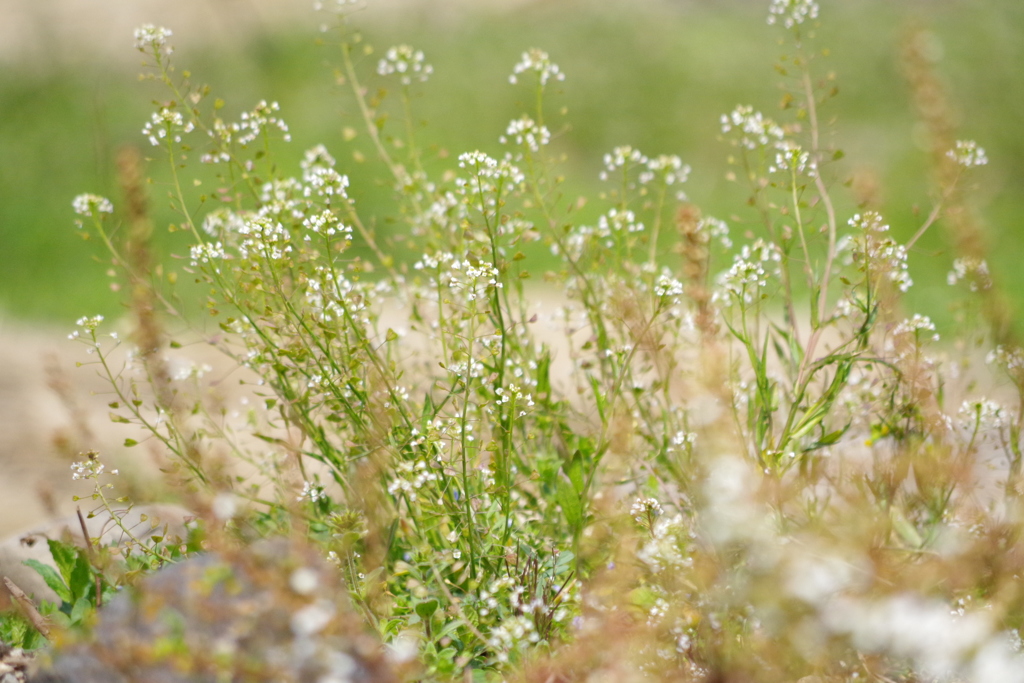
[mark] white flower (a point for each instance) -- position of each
(968, 154)
(206, 252)
(88, 469)
(973, 270)
(165, 124)
(915, 325)
(409, 64)
(645, 508)
(750, 272)
(622, 157)
(314, 492)
(153, 38)
(91, 204)
(752, 127)
(792, 12)
(537, 60)
(525, 131)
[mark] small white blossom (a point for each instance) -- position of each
(968, 154)
(409, 64)
(91, 204)
(792, 12)
(314, 492)
(526, 132)
(166, 124)
(153, 38)
(621, 159)
(88, 469)
(972, 270)
(751, 127)
(915, 326)
(538, 61)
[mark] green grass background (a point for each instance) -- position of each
(657, 79)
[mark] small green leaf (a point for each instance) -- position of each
(52, 579)
(81, 609)
(573, 469)
(128, 443)
(114, 417)
(426, 608)
(65, 556)
(571, 504)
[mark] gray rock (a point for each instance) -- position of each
(275, 612)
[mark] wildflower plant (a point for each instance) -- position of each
(737, 462)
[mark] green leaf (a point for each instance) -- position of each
(128, 443)
(81, 579)
(114, 417)
(65, 556)
(426, 608)
(571, 504)
(573, 469)
(81, 609)
(52, 579)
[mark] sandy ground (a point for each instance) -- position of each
(74, 30)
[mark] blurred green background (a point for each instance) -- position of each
(656, 75)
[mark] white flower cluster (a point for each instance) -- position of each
(516, 396)
(90, 323)
(752, 127)
(666, 285)
(616, 221)
(91, 204)
(1012, 359)
(408, 63)
(222, 221)
(314, 492)
(872, 251)
(526, 131)
(332, 296)
(790, 157)
(538, 61)
(488, 176)
(413, 475)
(683, 438)
(327, 224)
(915, 326)
(645, 509)
(982, 415)
(973, 270)
(669, 167)
(968, 154)
(938, 642)
(88, 469)
(205, 252)
(258, 120)
(476, 279)
(165, 124)
(153, 38)
(745, 281)
(264, 237)
(621, 158)
(513, 632)
(666, 549)
(792, 12)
